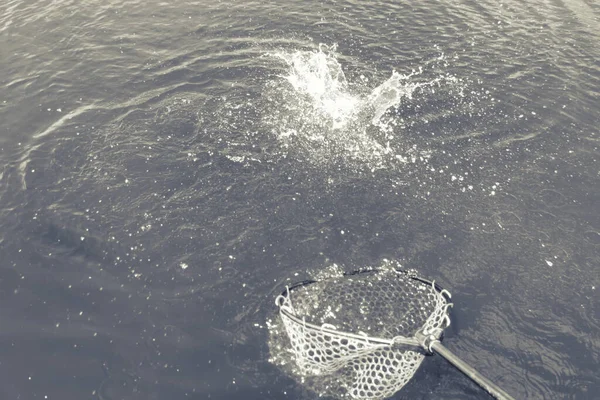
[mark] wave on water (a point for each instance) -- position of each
(321, 115)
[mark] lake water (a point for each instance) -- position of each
(167, 167)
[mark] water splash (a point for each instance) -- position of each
(390, 94)
(318, 75)
(318, 113)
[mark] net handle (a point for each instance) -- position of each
(487, 385)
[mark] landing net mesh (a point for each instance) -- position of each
(364, 330)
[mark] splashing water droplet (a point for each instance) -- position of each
(320, 113)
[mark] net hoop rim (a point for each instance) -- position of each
(289, 312)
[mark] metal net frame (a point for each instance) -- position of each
(366, 331)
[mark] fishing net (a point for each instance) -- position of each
(368, 331)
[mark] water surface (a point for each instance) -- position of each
(167, 167)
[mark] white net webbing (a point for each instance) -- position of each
(359, 330)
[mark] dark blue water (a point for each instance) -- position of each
(166, 167)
